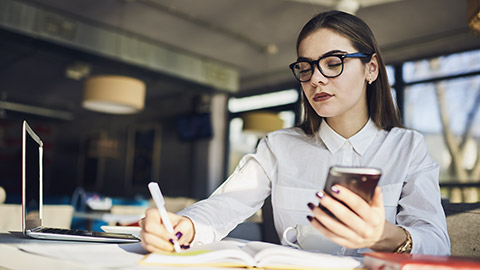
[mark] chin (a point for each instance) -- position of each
(324, 114)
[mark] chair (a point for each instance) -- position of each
(58, 216)
(10, 217)
(463, 223)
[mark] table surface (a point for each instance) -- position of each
(20, 252)
(16, 253)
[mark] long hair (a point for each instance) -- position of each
(381, 106)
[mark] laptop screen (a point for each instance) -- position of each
(32, 152)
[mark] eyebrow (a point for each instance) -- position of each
(332, 52)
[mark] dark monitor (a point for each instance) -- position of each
(194, 126)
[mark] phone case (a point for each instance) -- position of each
(361, 180)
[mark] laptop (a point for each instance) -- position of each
(32, 199)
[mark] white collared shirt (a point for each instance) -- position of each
(292, 167)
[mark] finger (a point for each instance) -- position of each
(341, 212)
(336, 229)
(184, 226)
(377, 207)
(356, 203)
(377, 200)
(152, 223)
(154, 243)
(365, 219)
(335, 237)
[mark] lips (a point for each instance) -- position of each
(322, 96)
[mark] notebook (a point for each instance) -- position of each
(32, 199)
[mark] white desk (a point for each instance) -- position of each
(94, 255)
(18, 253)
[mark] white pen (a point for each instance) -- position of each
(160, 203)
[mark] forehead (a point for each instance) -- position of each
(322, 41)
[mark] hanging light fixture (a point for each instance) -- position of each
(114, 94)
(261, 122)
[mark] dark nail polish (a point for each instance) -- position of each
(171, 241)
(335, 190)
(178, 235)
(320, 194)
(185, 246)
(310, 205)
(310, 218)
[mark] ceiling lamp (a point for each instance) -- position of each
(114, 94)
(261, 123)
(473, 13)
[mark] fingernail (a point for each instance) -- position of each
(185, 246)
(320, 194)
(335, 190)
(310, 218)
(310, 205)
(171, 241)
(178, 235)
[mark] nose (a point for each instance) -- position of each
(317, 76)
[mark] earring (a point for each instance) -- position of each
(370, 81)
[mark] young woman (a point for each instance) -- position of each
(350, 120)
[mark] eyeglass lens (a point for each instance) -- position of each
(330, 66)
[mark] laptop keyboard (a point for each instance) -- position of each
(119, 237)
(64, 231)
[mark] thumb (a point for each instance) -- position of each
(377, 200)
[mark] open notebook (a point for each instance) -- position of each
(232, 253)
(32, 198)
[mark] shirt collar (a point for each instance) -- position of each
(360, 141)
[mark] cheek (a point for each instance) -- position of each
(308, 90)
(351, 85)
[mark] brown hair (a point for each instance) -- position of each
(381, 107)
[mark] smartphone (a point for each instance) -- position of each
(360, 180)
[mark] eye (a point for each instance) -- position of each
(303, 67)
(332, 62)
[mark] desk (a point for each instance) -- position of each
(95, 255)
(18, 253)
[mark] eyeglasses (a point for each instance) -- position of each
(330, 65)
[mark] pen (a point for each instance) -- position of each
(160, 203)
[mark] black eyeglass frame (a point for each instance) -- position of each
(317, 63)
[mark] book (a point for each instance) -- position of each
(393, 261)
(231, 253)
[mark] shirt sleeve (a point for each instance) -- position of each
(419, 208)
(239, 197)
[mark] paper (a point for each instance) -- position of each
(95, 254)
(252, 254)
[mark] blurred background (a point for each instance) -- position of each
(208, 79)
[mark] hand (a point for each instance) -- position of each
(362, 226)
(155, 236)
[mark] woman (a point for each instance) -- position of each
(350, 120)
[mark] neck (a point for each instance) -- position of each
(347, 126)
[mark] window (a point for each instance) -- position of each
(281, 104)
(442, 98)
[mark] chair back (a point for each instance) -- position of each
(463, 223)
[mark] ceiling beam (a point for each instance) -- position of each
(41, 23)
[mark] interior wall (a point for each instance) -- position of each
(178, 167)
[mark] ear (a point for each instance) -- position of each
(371, 72)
